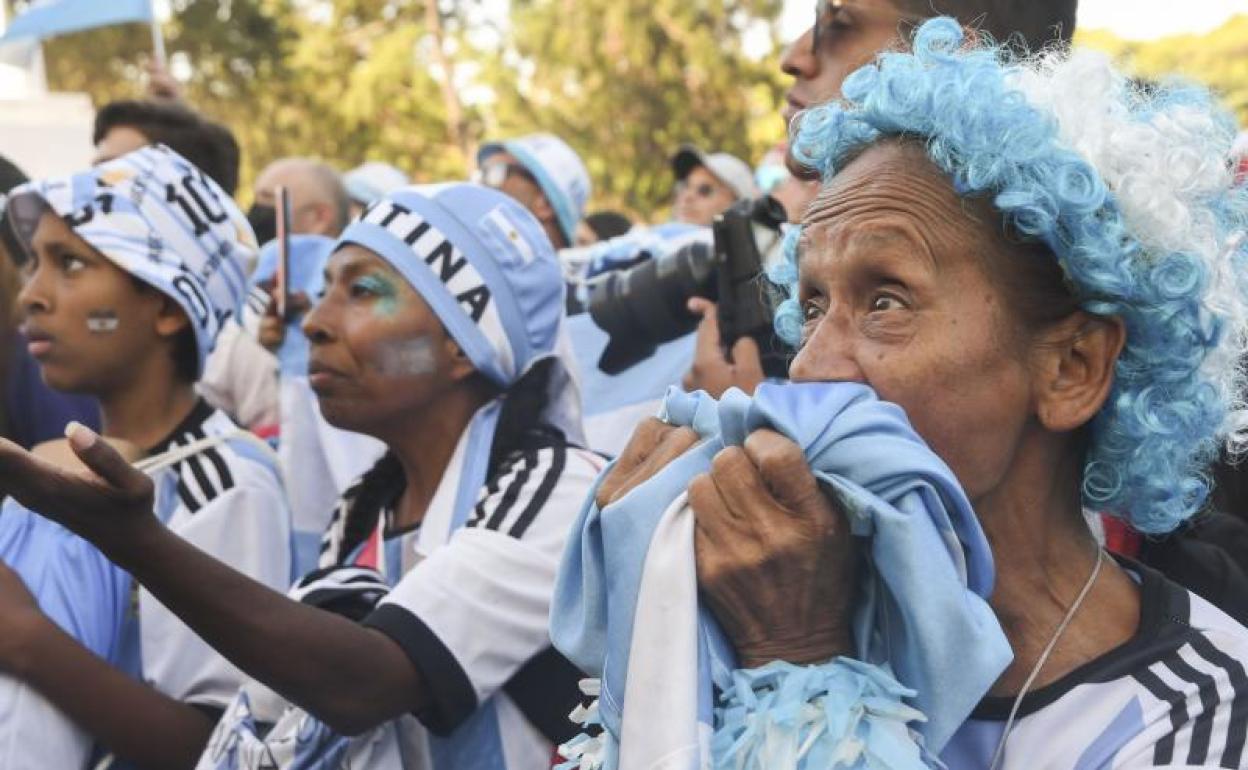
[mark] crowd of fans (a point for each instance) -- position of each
(471, 475)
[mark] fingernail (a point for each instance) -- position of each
(80, 436)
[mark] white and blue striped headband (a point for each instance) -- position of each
(159, 218)
(481, 261)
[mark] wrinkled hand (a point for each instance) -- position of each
(654, 444)
(21, 619)
(776, 561)
(273, 327)
(711, 370)
(109, 500)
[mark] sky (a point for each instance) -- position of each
(1133, 19)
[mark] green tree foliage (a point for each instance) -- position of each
(627, 81)
(624, 81)
(1218, 60)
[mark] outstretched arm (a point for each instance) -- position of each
(349, 676)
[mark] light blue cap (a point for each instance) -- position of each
(558, 170)
(481, 261)
(161, 219)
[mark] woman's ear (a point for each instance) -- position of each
(1076, 363)
(460, 366)
(170, 317)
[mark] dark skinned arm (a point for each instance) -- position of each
(136, 722)
(350, 677)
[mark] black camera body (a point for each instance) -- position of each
(644, 306)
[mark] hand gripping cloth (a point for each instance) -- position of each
(626, 607)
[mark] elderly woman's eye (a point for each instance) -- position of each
(885, 302)
(811, 311)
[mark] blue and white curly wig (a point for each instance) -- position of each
(1131, 192)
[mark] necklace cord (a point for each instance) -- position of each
(1044, 657)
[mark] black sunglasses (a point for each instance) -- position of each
(703, 190)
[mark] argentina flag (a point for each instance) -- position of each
(61, 17)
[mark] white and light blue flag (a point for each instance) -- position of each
(61, 17)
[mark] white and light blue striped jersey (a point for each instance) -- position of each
(473, 611)
(228, 501)
(469, 604)
(1175, 695)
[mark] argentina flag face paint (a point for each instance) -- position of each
(160, 219)
(468, 275)
(377, 350)
(73, 304)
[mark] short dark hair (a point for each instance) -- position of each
(608, 224)
(185, 350)
(10, 175)
(210, 146)
(1039, 23)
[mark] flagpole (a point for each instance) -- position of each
(158, 37)
(38, 71)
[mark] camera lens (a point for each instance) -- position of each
(645, 306)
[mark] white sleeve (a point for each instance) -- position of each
(35, 735)
(477, 609)
(240, 378)
(248, 528)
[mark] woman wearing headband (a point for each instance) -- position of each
(132, 267)
(438, 333)
(1045, 268)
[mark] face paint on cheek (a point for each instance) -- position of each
(407, 358)
(102, 321)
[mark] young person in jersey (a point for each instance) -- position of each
(133, 267)
(438, 333)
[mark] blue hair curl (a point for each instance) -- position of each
(1133, 195)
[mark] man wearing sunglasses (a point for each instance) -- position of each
(849, 33)
(845, 35)
(543, 174)
(706, 185)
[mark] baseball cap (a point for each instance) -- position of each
(727, 168)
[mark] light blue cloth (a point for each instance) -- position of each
(922, 608)
(648, 380)
(76, 586)
(642, 243)
(61, 17)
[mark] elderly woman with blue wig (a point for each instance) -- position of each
(1045, 269)
(421, 641)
